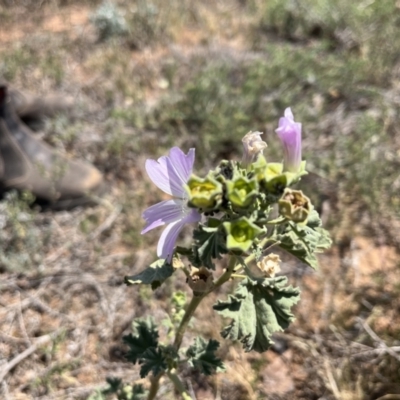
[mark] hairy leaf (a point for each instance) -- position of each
(146, 336)
(209, 244)
(303, 241)
(152, 360)
(258, 308)
(155, 274)
(202, 356)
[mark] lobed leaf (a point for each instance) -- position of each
(303, 241)
(202, 356)
(209, 244)
(152, 360)
(258, 308)
(146, 337)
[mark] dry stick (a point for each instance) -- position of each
(5, 391)
(106, 224)
(30, 350)
(374, 336)
(72, 393)
(22, 322)
(26, 302)
(376, 352)
(331, 380)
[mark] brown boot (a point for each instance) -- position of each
(26, 163)
(34, 109)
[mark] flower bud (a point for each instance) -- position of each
(241, 234)
(289, 133)
(241, 191)
(204, 193)
(294, 205)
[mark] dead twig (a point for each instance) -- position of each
(26, 353)
(375, 337)
(106, 224)
(376, 352)
(5, 390)
(331, 380)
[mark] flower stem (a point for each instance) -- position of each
(228, 273)
(191, 308)
(178, 385)
(196, 300)
(155, 381)
(155, 385)
(252, 256)
(238, 276)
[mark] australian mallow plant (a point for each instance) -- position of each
(244, 214)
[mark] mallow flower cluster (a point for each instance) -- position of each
(193, 195)
(241, 212)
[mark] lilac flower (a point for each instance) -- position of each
(289, 133)
(170, 174)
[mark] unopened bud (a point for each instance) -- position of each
(241, 233)
(241, 191)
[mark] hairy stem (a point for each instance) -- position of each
(190, 310)
(178, 385)
(196, 300)
(252, 256)
(155, 385)
(228, 273)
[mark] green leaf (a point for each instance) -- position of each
(303, 241)
(146, 336)
(258, 308)
(202, 356)
(155, 274)
(209, 244)
(152, 360)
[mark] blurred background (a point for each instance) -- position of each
(148, 75)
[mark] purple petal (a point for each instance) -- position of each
(289, 133)
(182, 163)
(180, 168)
(162, 213)
(158, 173)
(172, 172)
(166, 244)
(288, 114)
